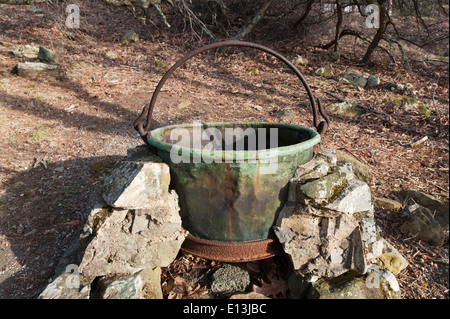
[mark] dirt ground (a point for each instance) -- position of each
(60, 134)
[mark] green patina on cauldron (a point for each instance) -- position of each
(233, 194)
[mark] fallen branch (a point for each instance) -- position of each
(436, 60)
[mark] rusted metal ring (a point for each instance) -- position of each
(143, 130)
(232, 251)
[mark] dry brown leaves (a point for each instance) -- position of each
(188, 277)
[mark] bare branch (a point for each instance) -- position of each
(258, 17)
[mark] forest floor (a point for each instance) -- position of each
(60, 134)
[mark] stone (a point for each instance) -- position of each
(250, 295)
(298, 286)
(298, 60)
(373, 81)
(109, 55)
(329, 155)
(380, 284)
(344, 168)
(386, 203)
(393, 86)
(137, 182)
(335, 56)
(354, 198)
(389, 285)
(320, 191)
(320, 244)
(230, 278)
(376, 284)
(354, 79)
(349, 286)
(80, 65)
(420, 222)
(145, 284)
(322, 158)
(318, 171)
(361, 171)
(35, 11)
(396, 87)
(326, 71)
(34, 69)
(111, 76)
(410, 103)
(68, 283)
(439, 208)
(25, 51)
(332, 238)
(65, 287)
(287, 114)
(126, 241)
(348, 109)
(369, 237)
(390, 259)
(129, 37)
(47, 55)
(262, 97)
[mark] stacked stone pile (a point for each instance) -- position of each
(327, 227)
(127, 238)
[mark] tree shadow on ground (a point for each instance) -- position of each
(44, 210)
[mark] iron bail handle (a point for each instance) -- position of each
(143, 130)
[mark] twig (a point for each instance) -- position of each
(161, 13)
(402, 50)
(344, 149)
(422, 140)
(443, 189)
(436, 60)
(187, 13)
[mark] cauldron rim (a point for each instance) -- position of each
(242, 155)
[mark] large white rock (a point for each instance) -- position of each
(139, 181)
(126, 241)
(33, 69)
(145, 284)
(320, 242)
(354, 198)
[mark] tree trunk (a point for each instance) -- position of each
(338, 24)
(305, 14)
(380, 33)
